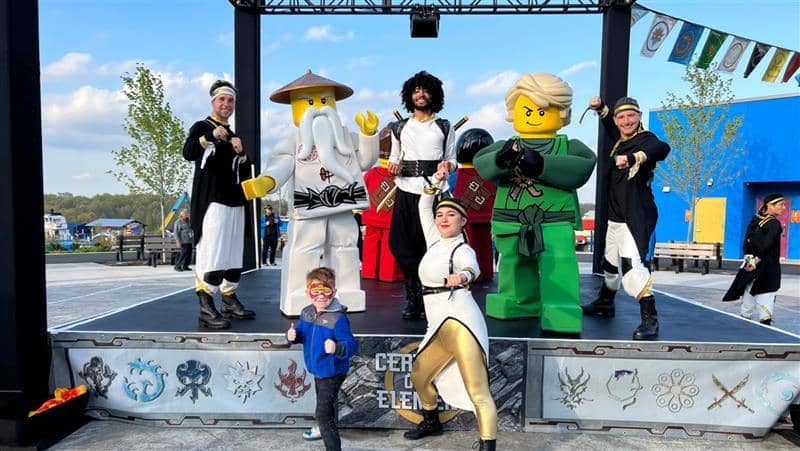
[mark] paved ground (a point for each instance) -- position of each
(81, 290)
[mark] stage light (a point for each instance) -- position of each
(424, 22)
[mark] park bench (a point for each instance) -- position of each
(678, 251)
(155, 246)
(129, 243)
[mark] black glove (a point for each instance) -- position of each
(531, 164)
(509, 155)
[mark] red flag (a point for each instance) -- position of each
(792, 67)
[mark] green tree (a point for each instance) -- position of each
(153, 163)
(705, 141)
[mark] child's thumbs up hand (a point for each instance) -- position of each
(291, 334)
(330, 346)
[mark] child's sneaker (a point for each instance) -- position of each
(312, 434)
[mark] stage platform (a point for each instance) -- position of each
(710, 373)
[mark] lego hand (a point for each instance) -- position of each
(258, 187)
(509, 155)
(330, 346)
(532, 163)
(291, 334)
(368, 125)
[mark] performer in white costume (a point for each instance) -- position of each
(453, 355)
(326, 165)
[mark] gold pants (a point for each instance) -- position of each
(454, 341)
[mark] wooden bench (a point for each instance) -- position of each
(129, 243)
(678, 251)
(155, 246)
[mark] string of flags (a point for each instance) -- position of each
(689, 37)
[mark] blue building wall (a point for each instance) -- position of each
(771, 138)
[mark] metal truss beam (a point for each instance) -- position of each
(443, 7)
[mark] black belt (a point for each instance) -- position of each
(436, 290)
(419, 168)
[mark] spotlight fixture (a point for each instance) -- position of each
(424, 22)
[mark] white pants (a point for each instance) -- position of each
(620, 244)
(764, 301)
(330, 241)
(221, 247)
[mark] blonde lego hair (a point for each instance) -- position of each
(545, 90)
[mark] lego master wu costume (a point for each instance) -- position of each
(452, 359)
(632, 216)
(762, 249)
(322, 231)
(218, 215)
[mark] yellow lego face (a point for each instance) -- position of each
(303, 99)
(534, 122)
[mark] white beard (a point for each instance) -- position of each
(322, 129)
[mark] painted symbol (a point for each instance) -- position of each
(325, 175)
(573, 389)
(675, 390)
(98, 376)
(151, 384)
(194, 376)
(730, 394)
(243, 381)
(292, 385)
(778, 390)
(623, 386)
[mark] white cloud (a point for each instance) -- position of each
(495, 85)
(362, 62)
(368, 95)
(326, 33)
(491, 117)
(87, 105)
(276, 123)
(575, 68)
(226, 39)
(70, 65)
(279, 42)
(81, 177)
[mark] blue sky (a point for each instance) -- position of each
(86, 45)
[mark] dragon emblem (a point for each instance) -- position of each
(573, 389)
(292, 385)
(151, 384)
(98, 376)
(194, 376)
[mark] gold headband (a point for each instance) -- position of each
(223, 90)
(775, 201)
(626, 107)
(454, 205)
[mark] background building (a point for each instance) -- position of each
(770, 135)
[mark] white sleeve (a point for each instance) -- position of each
(466, 262)
(281, 162)
(394, 156)
(426, 218)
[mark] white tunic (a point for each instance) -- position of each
(433, 268)
(421, 141)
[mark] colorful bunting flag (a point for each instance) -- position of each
(797, 77)
(637, 12)
(775, 65)
(792, 67)
(659, 30)
(711, 47)
(687, 41)
(733, 55)
(758, 54)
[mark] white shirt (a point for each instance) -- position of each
(421, 141)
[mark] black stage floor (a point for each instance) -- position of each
(259, 290)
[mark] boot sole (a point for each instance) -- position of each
(233, 316)
(432, 434)
(211, 326)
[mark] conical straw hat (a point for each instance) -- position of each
(311, 80)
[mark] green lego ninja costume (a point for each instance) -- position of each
(536, 211)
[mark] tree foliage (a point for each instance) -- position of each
(153, 163)
(706, 146)
(82, 209)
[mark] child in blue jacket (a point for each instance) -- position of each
(328, 344)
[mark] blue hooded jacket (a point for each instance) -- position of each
(314, 328)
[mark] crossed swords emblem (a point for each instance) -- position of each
(730, 393)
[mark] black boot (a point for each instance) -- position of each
(414, 307)
(209, 316)
(430, 425)
(233, 309)
(484, 445)
(603, 305)
(648, 329)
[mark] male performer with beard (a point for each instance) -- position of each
(326, 167)
(218, 203)
(421, 145)
(632, 212)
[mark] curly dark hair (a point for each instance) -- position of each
(431, 84)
